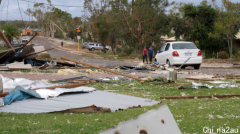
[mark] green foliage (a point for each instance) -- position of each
(122, 54)
(10, 31)
(223, 55)
(128, 50)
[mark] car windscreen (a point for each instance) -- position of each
(183, 46)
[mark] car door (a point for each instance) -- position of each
(166, 54)
(97, 46)
(159, 55)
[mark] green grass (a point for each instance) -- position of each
(191, 115)
(2, 49)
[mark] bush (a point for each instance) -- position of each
(118, 50)
(122, 54)
(128, 50)
(237, 55)
(223, 55)
(45, 56)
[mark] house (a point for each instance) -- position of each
(32, 31)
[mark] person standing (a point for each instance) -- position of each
(62, 43)
(150, 54)
(145, 54)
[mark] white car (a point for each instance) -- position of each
(176, 53)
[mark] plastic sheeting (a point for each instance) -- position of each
(45, 93)
(18, 94)
(10, 84)
(197, 85)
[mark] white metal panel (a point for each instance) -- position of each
(156, 121)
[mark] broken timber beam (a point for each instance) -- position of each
(199, 79)
(201, 96)
(4, 94)
(65, 86)
(38, 52)
(6, 41)
(30, 40)
(86, 64)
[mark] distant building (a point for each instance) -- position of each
(33, 31)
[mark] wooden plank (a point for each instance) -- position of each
(4, 94)
(111, 71)
(201, 96)
(65, 86)
(38, 52)
(196, 79)
(30, 40)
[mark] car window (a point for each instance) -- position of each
(91, 44)
(96, 44)
(100, 45)
(183, 46)
(162, 49)
(167, 47)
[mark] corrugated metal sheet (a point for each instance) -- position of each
(156, 121)
(76, 100)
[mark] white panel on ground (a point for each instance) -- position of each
(77, 100)
(156, 121)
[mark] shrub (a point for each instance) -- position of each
(122, 54)
(237, 55)
(128, 50)
(118, 50)
(223, 55)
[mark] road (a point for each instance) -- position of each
(56, 53)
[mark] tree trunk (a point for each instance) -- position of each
(231, 48)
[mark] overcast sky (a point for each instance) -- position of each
(9, 8)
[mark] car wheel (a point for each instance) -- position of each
(89, 49)
(197, 66)
(168, 62)
(93, 49)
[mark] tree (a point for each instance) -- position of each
(194, 23)
(10, 31)
(145, 13)
(227, 23)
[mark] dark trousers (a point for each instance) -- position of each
(145, 57)
(150, 57)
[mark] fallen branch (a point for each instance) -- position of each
(6, 41)
(201, 96)
(102, 69)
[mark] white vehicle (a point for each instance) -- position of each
(96, 46)
(176, 53)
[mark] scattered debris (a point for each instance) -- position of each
(159, 120)
(201, 96)
(102, 69)
(158, 81)
(196, 79)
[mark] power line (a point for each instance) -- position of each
(2, 10)
(7, 11)
(21, 14)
